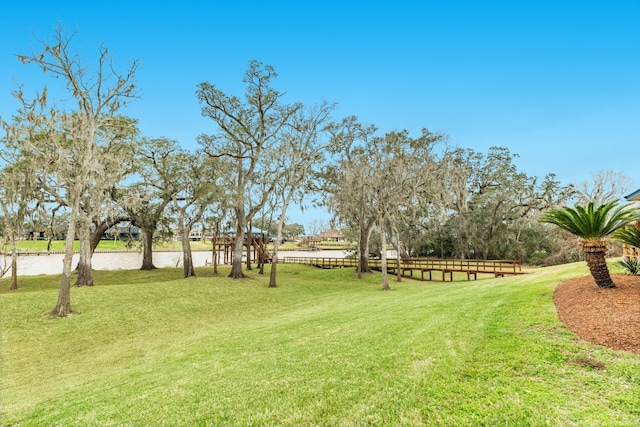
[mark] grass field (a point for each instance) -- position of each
(152, 349)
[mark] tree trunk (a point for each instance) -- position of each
(249, 246)
(14, 263)
(594, 254)
(363, 250)
(276, 244)
(398, 255)
(272, 273)
(383, 261)
(187, 259)
(101, 228)
(262, 254)
(63, 306)
(85, 273)
(89, 241)
(214, 252)
(147, 251)
(51, 228)
(463, 245)
(238, 248)
(214, 259)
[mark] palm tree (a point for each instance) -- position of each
(629, 236)
(593, 224)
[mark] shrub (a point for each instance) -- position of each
(630, 266)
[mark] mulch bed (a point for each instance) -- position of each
(607, 317)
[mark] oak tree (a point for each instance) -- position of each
(248, 131)
(63, 139)
(304, 149)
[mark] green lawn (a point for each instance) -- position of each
(152, 349)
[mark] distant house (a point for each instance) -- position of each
(121, 231)
(33, 235)
(630, 251)
(331, 236)
(196, 235)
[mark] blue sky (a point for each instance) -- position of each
(557, 82)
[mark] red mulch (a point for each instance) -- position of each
(607, 317)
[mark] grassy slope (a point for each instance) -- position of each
(322, 348)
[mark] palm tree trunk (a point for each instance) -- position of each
(594, 254)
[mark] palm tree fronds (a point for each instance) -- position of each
(591, 222)
(629, 236)
(630, 266)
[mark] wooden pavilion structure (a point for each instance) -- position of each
(223, 247)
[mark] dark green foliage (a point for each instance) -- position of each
(629, 236)
(630, 266)
(591, 222)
